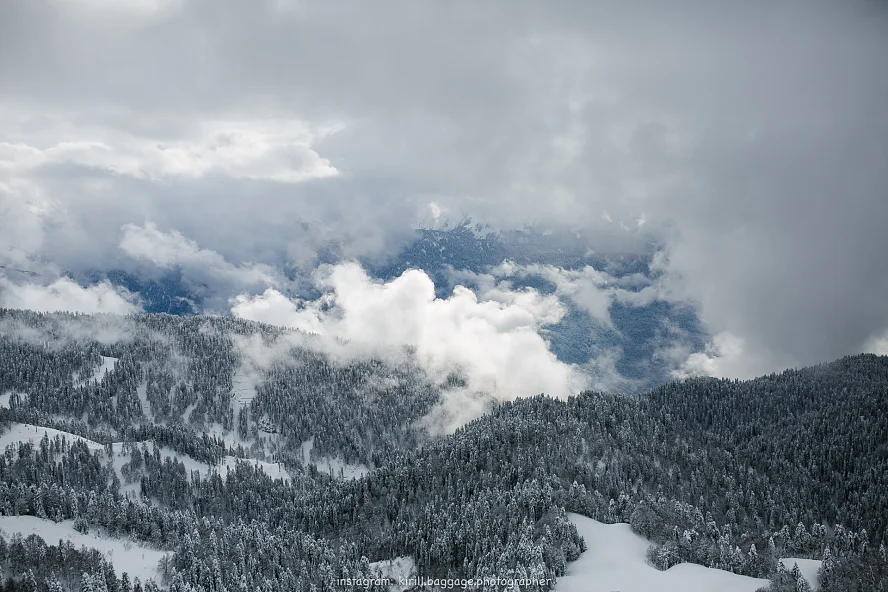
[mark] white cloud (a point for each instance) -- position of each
(273, 308)
(260, 150)
(495, 343)
(135, 11)
(725, 356)
(592, 290)
(877, 345)
(173, 249)
(65, 295)
(21, 223)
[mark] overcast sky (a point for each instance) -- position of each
(749, 138)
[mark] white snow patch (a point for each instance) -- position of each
(230, 437)
(615, 559)
(4, 398)
(108, 364)
(333, 466)
(395, 570)
(25, 432)
(126, 556)
(186, 415)
(338, 468)
(142, 393)
(808, 568)
(243, 389)
(273, 470)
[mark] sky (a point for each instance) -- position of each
(749, 140)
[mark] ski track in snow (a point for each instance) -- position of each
(615, 560)
(126, 556)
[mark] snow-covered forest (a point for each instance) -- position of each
(231, 455)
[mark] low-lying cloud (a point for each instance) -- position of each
(66, 295)
(494, 342)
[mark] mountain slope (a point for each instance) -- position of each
(702, 468)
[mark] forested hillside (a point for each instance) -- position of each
(256, 458)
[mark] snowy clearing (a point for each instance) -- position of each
(142, 393)
(615, 560)
(25, 432)
(126, 556)
(106, 366)
(395, 569)
(332, 466)
(243, 386)
(808, 567)
(273, 470)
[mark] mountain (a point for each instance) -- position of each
(255, 457)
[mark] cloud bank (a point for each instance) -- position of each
(746, 139)
(65, 295)
(493, 343)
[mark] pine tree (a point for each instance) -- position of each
(30, 582)
(86, 583)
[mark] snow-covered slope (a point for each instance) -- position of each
(25, 432)
(808, 568)
(137, 560)
(98, 374)
(395, 570)
(615, 560)
(332, 466)
(273, 470)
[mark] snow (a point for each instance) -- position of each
(186, 415)
(25, 432)
(4, 398)
(808, 567)
(106, 366)
(243, 390)
(142, 393)
(273, 470)
(337, 468)
(395, 570)
(615, 559)
(126, 556)
(333, 466)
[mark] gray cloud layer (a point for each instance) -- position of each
(750, 138)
